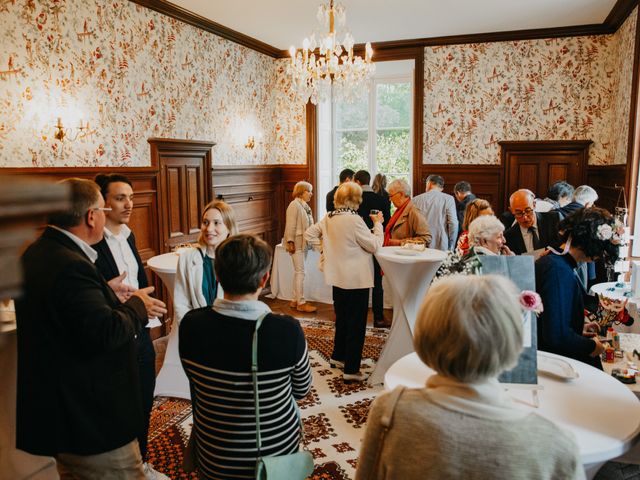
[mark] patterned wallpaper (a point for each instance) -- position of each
(551, 89)
(132, 74)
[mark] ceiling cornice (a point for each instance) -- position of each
(186, 16)
(619, 13)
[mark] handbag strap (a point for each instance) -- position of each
(254, 377)
(386, 420)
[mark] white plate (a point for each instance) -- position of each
(556, 367)
(407, 252)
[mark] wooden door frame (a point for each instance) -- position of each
(507, 148)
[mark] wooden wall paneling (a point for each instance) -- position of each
(486, 180)
(538, 164)
(184, 188)
(252, 191)
(604, 179)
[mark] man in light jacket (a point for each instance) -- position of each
(439, 209)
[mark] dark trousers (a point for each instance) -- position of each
(351, 307)
(146, 357)
(377, 295)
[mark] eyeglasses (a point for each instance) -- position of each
(520, 214)
(102, 209)
(394, 194)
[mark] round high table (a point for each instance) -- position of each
(171, 380)
(602, 413)
(409, 277)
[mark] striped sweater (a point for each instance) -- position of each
(215, 350)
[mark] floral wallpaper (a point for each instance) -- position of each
(132, 73)
(550, 89)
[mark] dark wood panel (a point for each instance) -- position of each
(486, 180)
(604, 180)
(194, 194)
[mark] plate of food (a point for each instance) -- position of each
(555, 367)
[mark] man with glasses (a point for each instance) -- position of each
(78, 396)
(532, 231)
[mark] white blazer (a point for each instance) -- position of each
(297, 221)
(347, 245)
(187, 292)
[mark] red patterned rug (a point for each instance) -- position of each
(333, 413)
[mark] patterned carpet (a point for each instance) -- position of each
(333, 413)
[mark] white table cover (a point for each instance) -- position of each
(602, 413)
(409, 277)
(171, 380)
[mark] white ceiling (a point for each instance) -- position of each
(281, 23)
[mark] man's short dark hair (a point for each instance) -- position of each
(241, 262)
(436, 180)
(85, 194)
(362, 177)
(462, 187)
(346, 174)
(104, 180)
(560, 190)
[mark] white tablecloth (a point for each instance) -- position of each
(409, 277)
(609, 289)
(602, 413)
(171, 381)
(315, 288)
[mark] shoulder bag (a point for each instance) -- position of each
(295, 466)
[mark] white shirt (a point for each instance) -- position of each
(527, 236)
(84, 246)
(123, 254)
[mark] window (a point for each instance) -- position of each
(374, 133)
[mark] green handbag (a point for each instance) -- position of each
(295, 466)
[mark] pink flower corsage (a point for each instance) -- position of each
(531, 301)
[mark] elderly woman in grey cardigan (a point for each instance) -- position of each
(462, 424)
(298, 219)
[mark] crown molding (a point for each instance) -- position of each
(186, 16)
(619, 13)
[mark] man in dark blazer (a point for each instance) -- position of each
(532, 231)
(463, 197)
(118, 257)
(346, 175)
(78, 395)
(372, 201)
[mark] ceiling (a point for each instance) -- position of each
(282, 23)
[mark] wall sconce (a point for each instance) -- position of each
(61, 134)
(251, 143)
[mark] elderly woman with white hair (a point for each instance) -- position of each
(462, 424)
(407, 223)
(486, 237)
(347, 245)
(298, 219)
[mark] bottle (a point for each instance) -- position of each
(610, 354)
(616, 340)
(610, 333)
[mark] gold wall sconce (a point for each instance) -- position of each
(61, 133)
(251, 143)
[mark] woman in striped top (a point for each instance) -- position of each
(215, 349)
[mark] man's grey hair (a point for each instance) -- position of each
(530, 195)
(436, 180)
(85, 194)
(584, 194)
(400, 185)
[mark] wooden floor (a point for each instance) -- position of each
(324, 312)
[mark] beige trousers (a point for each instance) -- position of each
(124, 463)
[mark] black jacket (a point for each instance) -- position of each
(107, 264)
(78, 389)
(547, 224)
(372, 201)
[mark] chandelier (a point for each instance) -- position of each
(313, 75)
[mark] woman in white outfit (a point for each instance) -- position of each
(196, 286)
(299, 218)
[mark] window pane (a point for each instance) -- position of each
(393, 105)
(352, 150)
(392, 153)
(352, 115)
